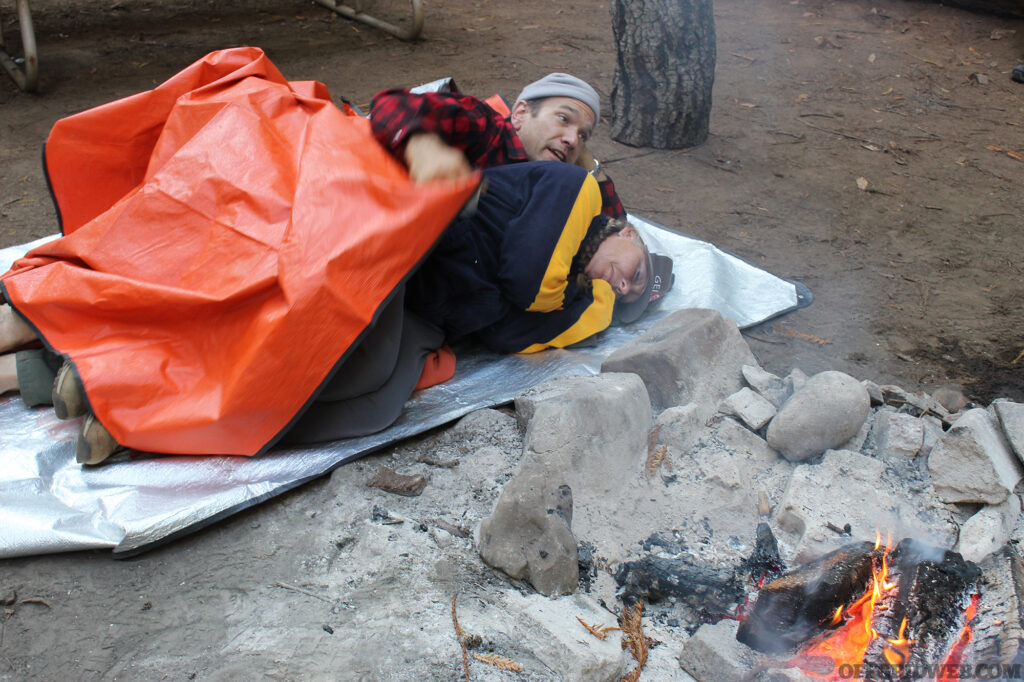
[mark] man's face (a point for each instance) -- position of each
(622, 262)
(554, 131)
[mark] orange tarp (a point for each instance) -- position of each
(228, 237)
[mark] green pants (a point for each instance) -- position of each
(37, 370)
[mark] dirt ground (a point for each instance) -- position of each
(918, 278)
(870, 149)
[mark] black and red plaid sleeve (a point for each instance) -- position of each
(462, 121)
(611, 205)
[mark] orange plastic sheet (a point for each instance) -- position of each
(228, 237)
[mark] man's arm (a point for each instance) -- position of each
(520, 331)
(429, 132)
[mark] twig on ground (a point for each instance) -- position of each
(926, 61)
(305, 592)
(743, 56)
(836, 132)
(1018, 358)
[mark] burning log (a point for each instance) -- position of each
(924, 616)
(801, 603)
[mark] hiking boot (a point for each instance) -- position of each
(95, 444)
(68, 398)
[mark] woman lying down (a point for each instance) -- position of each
(536, 266)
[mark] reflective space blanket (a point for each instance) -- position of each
(50, 503)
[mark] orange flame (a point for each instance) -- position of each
(898, 650)
(848, 645)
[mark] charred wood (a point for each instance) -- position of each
(764, 563)
(652, 579)
(999, 638)
(799, 604)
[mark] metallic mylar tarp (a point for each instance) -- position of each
(50, 503)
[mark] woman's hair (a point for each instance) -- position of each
(589, 247)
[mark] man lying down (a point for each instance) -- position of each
(537, 265)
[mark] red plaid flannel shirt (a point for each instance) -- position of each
(462, 121)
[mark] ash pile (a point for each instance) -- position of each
(686, 479)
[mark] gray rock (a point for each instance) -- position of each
(795, 380)
(874, 392)
(770, 387)
(1011, 419)
(692, 355)
(714, 655)
(754, 410)
(588, 432)
(913, 403)
(741, 442)
(587, 435)
(932, 434)
(897, 435)
(988, 530)
(859, 440)
(549, 629)
(850, 488)
(972, 462)
(681, 428)
(825, 413)
(529, 534)
(950, 397)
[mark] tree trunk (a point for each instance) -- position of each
(661, 94)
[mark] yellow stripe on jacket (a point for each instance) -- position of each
(597, 317)
(556, 277)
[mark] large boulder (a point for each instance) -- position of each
(1011, 419)
(692, 356)
(973, 462)
(585, 443)
(825, 413)
(529, 535)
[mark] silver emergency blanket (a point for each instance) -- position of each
(50, 503)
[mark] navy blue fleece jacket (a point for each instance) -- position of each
(503, 274)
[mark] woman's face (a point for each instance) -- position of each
(621, 261)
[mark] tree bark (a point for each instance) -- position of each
(661, 93)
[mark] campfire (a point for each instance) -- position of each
(874, 612)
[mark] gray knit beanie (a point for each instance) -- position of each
(563, 85)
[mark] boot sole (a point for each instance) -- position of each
(68, 401)
(95, 444)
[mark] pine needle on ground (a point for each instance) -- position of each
(499, 662)
(460, 635)
(633, 639)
